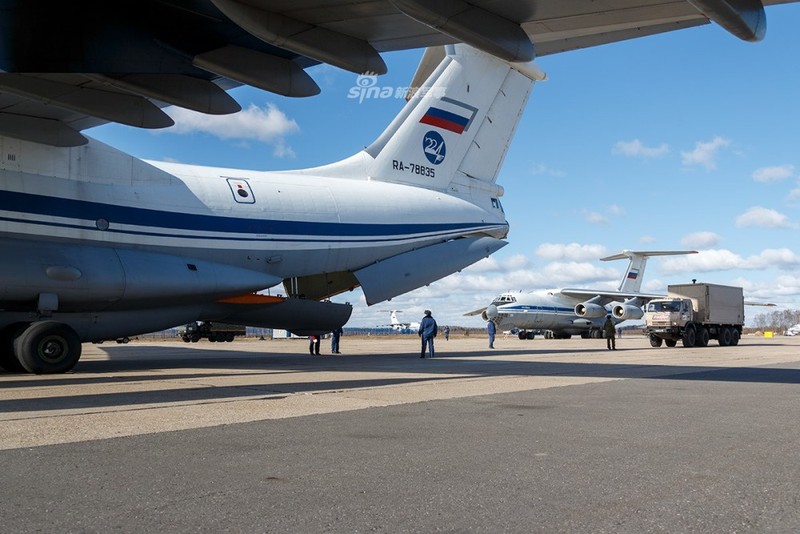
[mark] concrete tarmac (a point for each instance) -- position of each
(533, 436)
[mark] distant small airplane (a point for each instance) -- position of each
(397, 325)
(794, 330)
(561, 313)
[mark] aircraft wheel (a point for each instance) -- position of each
(670, 342)
(735, 337)
(8, 359)
(48, 347)
(702, 337)
(725, 336)
(689, 336)
(655, 341)
(521, 335)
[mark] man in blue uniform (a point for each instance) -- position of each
(427, 331)
(491, 328)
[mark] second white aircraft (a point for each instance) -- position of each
(562, 313)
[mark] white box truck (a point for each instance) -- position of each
(694, 314)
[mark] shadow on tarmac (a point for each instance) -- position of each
(252, 365)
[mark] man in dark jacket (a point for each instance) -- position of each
(427, 331)
(610, 331)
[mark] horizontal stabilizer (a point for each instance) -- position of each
(410, 270)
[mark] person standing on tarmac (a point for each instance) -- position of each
(610, 331)
(492, 329)
(335, 335)
(427, 331)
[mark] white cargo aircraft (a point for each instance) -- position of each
(396, 324)
(561, 313)
(99, 245)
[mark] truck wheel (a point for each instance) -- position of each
(48, 347)
(186, 339)
(229, 337)
(670, 342)
(736, 337)
(689, 336)
(725, 336)
(702, 337)
(655, 341)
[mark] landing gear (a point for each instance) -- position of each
(47, 347)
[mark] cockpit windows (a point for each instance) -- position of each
(504, 299)
(496, 204)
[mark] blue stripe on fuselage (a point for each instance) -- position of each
(82, 209)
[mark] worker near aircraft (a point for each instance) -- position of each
(427, 331)
(610, 332)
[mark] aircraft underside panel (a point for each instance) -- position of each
(405, 272)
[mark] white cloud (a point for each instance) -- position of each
(635, 149)
(593, 217)
(267, 125)
(544, 170)
(570, 251)
(614, 209)
(701, 240)
(647, 239)
(705, 153)
(794, 194)
(763, 217)
(773, 174)
(725, 260)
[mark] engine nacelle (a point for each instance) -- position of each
(490, 313)
(590, 310)
(625, 312)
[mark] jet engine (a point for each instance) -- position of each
(590, 311)
(490, 313)
(626, 312)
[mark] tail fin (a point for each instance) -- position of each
(394, 321)
(458, 125)
(453, 133)
(632, 280)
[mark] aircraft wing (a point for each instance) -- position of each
(475, 312)
(69, 66)
(604, 297)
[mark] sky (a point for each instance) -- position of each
(686, 140)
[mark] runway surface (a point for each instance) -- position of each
(534, 436)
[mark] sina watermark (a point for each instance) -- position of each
(367, 87)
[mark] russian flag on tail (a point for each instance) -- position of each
(445, 119)
(633, 274)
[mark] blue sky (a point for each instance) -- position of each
(684, 140)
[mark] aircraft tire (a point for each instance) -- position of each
(655, 341)
(8, 360)
(48, 347)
